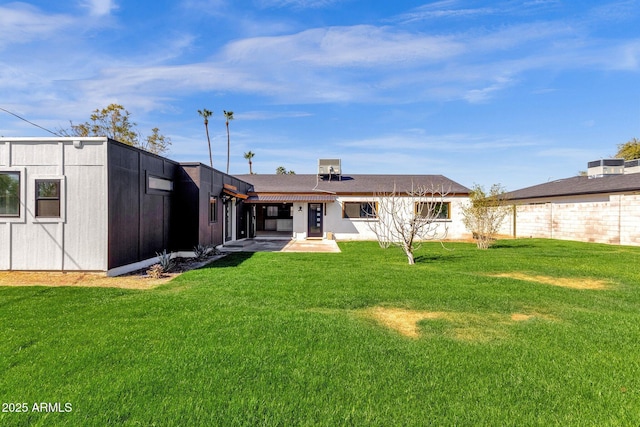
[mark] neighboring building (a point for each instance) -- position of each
(340, 206)
(94, 204)
(603, 207)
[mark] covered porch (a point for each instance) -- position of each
(289, 216)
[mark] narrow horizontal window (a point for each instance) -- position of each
(161, 184)
(10, 194)
(47, 198)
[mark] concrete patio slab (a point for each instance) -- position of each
(278, 245)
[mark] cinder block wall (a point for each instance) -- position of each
(614, 221)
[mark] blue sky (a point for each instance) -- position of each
(516, 92)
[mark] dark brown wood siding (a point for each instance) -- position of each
(197, 183)
(140, 218)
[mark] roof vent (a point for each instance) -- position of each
(604, 167)
(330, 169)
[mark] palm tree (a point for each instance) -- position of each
(229, 116)
(249, 155)
(206, 114)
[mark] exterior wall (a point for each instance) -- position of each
(77, 240)
(630, 219)
(196, 183)
(241, 218)
(140, 217)
(358, 229)
(612, 219)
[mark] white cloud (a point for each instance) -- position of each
(296, 4)
(99, 7)
(443, 9)
(482, 95)
(21, 23)
(356, 46)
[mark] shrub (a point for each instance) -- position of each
(202, 251)
(165, 261)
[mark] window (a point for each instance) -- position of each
(213, 209)
(435, 210)
(47, 198)
(359, 210)
(272, 210)
(10, 194)
(161, 184)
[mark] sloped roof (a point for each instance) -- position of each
(350, 184)
(579, 185)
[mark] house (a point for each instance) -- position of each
(95, 204)
(338, 205)
(602, 207)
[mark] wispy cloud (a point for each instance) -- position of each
(21, 23)
(297, 4)
(99, 8)
(443, 9)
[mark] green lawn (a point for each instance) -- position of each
(282, 339)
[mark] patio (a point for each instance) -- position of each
(281, 245)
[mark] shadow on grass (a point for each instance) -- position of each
(231, 260)
(450, 257)
(511, 244)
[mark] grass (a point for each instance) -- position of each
(280, 339)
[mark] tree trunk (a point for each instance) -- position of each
(408, 250)
(250, 167)
(228, 147)
(206, 128)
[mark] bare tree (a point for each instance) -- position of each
(406, 219)
(205, 115)
(485, 213)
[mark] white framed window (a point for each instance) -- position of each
(12, 194)
(434, 210)
(47, 193)
(360, 210)
(47, 198)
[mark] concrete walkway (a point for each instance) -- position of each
(264, 245)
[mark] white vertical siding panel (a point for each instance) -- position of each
(5, 246)
(36, 154)
(92, 153)
(36, 246)
(85, 233)
(4, 153)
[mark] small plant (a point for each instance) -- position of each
(201, 251)
(155, 271)
(164, 260)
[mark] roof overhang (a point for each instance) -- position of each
(291, 198)
(232, 191)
